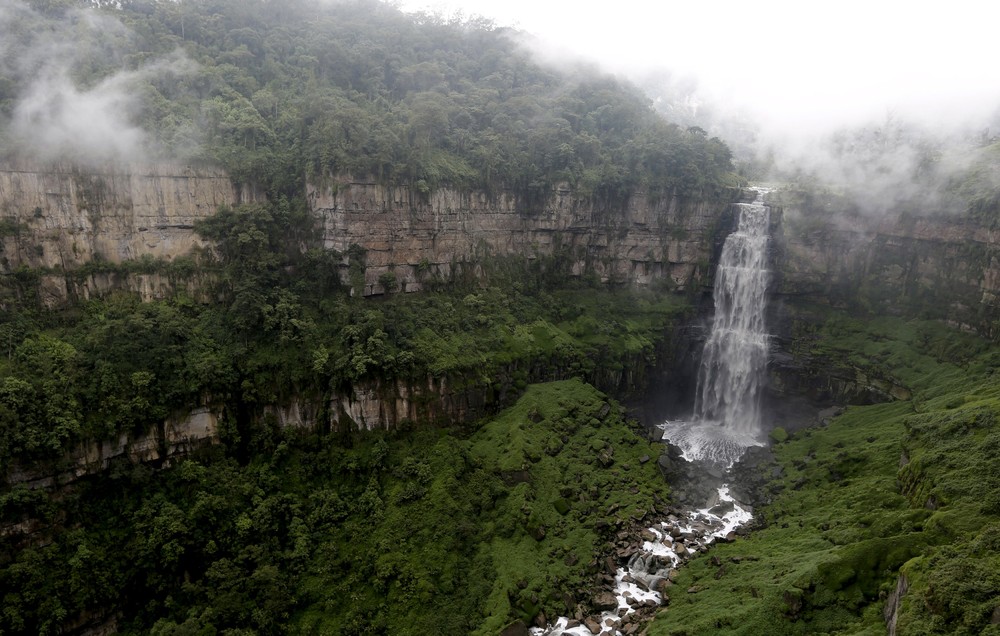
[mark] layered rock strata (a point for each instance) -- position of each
(419, 238)
(908, 261)
(56, 218)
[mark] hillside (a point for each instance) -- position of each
(323, 318)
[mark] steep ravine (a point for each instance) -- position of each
(428, 240)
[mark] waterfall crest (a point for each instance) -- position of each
(727, 416)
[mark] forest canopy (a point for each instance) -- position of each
(277, 92)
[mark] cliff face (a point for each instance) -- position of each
(923, 264)
(58, 218)
(419, 237)
(910, 263)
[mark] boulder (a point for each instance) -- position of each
(605, 601)
(517, 628)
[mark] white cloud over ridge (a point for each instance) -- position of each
(58, 116)
(797, 66)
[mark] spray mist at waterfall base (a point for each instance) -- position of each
(727, 416)
(708, 441)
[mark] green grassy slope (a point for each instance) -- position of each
(909, 487)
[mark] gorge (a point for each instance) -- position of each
(821, 376)
(372, 327)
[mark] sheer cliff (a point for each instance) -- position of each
(422, 237)
(55, 219)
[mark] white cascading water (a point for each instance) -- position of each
(727, 421)
(727, 415)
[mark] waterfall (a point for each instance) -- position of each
(726, 421)
(727, 415)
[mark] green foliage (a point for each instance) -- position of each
(416, 533)
(778, 434)
(904, 487)
(311, 89)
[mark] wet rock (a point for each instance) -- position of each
(647, 535)
(605, 601)
(625, 553)
(517, 628)
(540, 620)
(610, 566)
(722, 509)
(592, 624)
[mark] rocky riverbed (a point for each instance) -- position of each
(640, 576)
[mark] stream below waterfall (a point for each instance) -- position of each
(643, 584)
(726, 422)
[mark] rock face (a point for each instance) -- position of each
(911, 262)
(58, 218)
(176, 437)
(422, 238)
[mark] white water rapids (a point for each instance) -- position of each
(665, 546)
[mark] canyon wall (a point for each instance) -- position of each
(411, 239)
(56, 218)
(912, 262)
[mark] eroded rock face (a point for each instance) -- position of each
(912, 261)
(420, 238)
(58, 218)
(906, 261)
(177, 437)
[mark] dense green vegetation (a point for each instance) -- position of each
(438, 528)
(276, 91)
(905, 486)
(443, 531)
(443, 526)
(283, 326)
(448, 527)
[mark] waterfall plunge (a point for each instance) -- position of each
(727, 404)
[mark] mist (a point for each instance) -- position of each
(890, 100)
(71, 92)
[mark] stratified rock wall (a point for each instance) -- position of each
(914, 261)
(911, 262)
(424, 237)
(56, 218)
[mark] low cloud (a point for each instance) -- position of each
(75, 99)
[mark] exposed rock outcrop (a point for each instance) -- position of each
(419, 238)
(55, 219)
(177, 437)
(906, 261)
